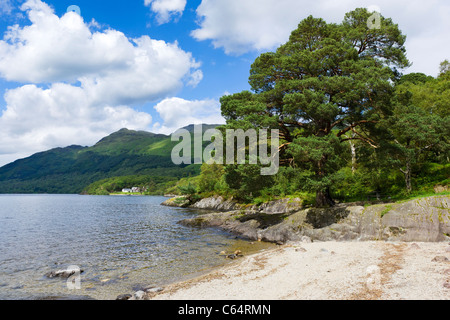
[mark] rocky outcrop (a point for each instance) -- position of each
(281, 206)
(426, 220)
(178, 201)
(217, 204)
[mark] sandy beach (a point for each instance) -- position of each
(327, 270)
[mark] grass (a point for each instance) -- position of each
(386, 209)
(418, 195)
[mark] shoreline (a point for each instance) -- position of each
(372, 270)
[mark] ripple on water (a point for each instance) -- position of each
(119, 242)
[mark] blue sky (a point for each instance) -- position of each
(157, 65)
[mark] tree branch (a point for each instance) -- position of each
(354, 125)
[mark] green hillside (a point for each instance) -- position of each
(72, 169)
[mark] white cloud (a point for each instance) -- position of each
(166, 9)
(38, 119)
(178, 113)
(56, 49)
(78, 84)
(240, 26)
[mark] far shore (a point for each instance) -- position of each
(372, 270)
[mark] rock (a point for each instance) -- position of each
(324, 217)
(217, 204)
(323, 250)
(439, 188)
(415, 246)
(124, 297)
(306, 239)
(300, 249)
(67, 273)
(178, 201)
(281, 206)
(440, 259)
(447, 250)
(447, 284)
(153, 290)
(138, 295)
(447, 272)
(425, 219)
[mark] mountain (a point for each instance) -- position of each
(72, 169)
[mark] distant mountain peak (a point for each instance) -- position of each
(205, 127)
(127, 134)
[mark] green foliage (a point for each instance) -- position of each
(210, 177)
(149, 185)
(190, 189)
(427, 93)
(246, 181)
(327, 80)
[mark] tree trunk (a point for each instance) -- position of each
(323, 198)
(353, 150)
(408, 177)
(407, 174)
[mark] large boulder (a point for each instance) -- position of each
(426, 219)
(216, 203)
(281, 206)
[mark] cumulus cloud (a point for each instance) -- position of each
(55, 49)
(77, 84)
(166, 9)
(240, 26)
(38, 119)
(177, 113)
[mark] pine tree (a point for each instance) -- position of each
(326, 81)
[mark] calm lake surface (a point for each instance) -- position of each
(122, 243)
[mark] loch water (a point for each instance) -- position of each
(122, 244)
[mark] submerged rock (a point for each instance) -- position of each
(65, 273)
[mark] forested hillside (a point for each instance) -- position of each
(72, 169)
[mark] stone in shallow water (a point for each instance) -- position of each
(65, 273)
